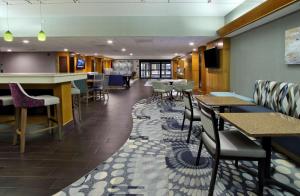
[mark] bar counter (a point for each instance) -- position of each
(60, 83)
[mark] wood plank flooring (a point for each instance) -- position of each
(50, 165)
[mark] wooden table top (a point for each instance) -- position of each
(222, 101)
(264, 124)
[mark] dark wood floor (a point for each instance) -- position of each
(49, 165)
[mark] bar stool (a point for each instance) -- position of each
(6, 100)
(22, 101)
(76, 100)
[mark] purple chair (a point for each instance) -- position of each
(22, 101)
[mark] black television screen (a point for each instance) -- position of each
(80, 64)
(211, 57)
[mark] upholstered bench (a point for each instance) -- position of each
(116, 80)
(273, 96)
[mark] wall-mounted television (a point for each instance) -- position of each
(80, 63)
(212, 58)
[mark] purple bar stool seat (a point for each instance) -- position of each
(22, 101)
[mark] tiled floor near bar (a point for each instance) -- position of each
(49, 165)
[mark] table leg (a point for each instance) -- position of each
(267, 145)
(221, 120)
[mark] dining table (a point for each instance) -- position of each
(266, 126)
(222, 102)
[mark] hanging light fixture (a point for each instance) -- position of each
(41, 35)
(7, 36)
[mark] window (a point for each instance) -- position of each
(155, 69)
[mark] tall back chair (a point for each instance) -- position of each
(228, 145)
(189, 86)
(85, 91)
(105, 87)
(179, 87)
(191, 113)
(159, 88)
(22, 101)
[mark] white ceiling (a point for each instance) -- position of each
(183, 18)
(141, 47)
(30, 8)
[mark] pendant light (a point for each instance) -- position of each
(7, 36)
(41, 35)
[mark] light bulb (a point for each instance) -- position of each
(8, 36)
(42, 36)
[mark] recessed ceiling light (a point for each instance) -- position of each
(131, 54)
(9, 50)
(25, 41)
(194, 49)
(123, 49)
(110, 41)
(191, 43)
(66, 50)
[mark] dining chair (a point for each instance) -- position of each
(101, 87)
(179, 87)
(191, 113)
(228, 145)
(22, 102)
(85, 91)
(160, 88)
(97, 86)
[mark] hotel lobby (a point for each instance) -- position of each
(149, 97)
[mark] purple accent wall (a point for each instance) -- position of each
(28, 62)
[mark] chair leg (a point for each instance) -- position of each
(236, 163)
(190, 131)
(87, 98)
(74, 99)
(49, 118)
(17, 128)
(261, 168)
(59, 119)
(182, 126)
(23, 122)
(213, 177)
(79, 107)
(199, 152)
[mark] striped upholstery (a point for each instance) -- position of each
(279, 96)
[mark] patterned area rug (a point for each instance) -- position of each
(156, 160)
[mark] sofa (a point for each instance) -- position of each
(273, 96)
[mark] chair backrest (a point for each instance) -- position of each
(187, 101)
(82, 85)
(98, 76)
(156, 85)
(190, 84)
(209, 123)
(105, 82)
(21, 99)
